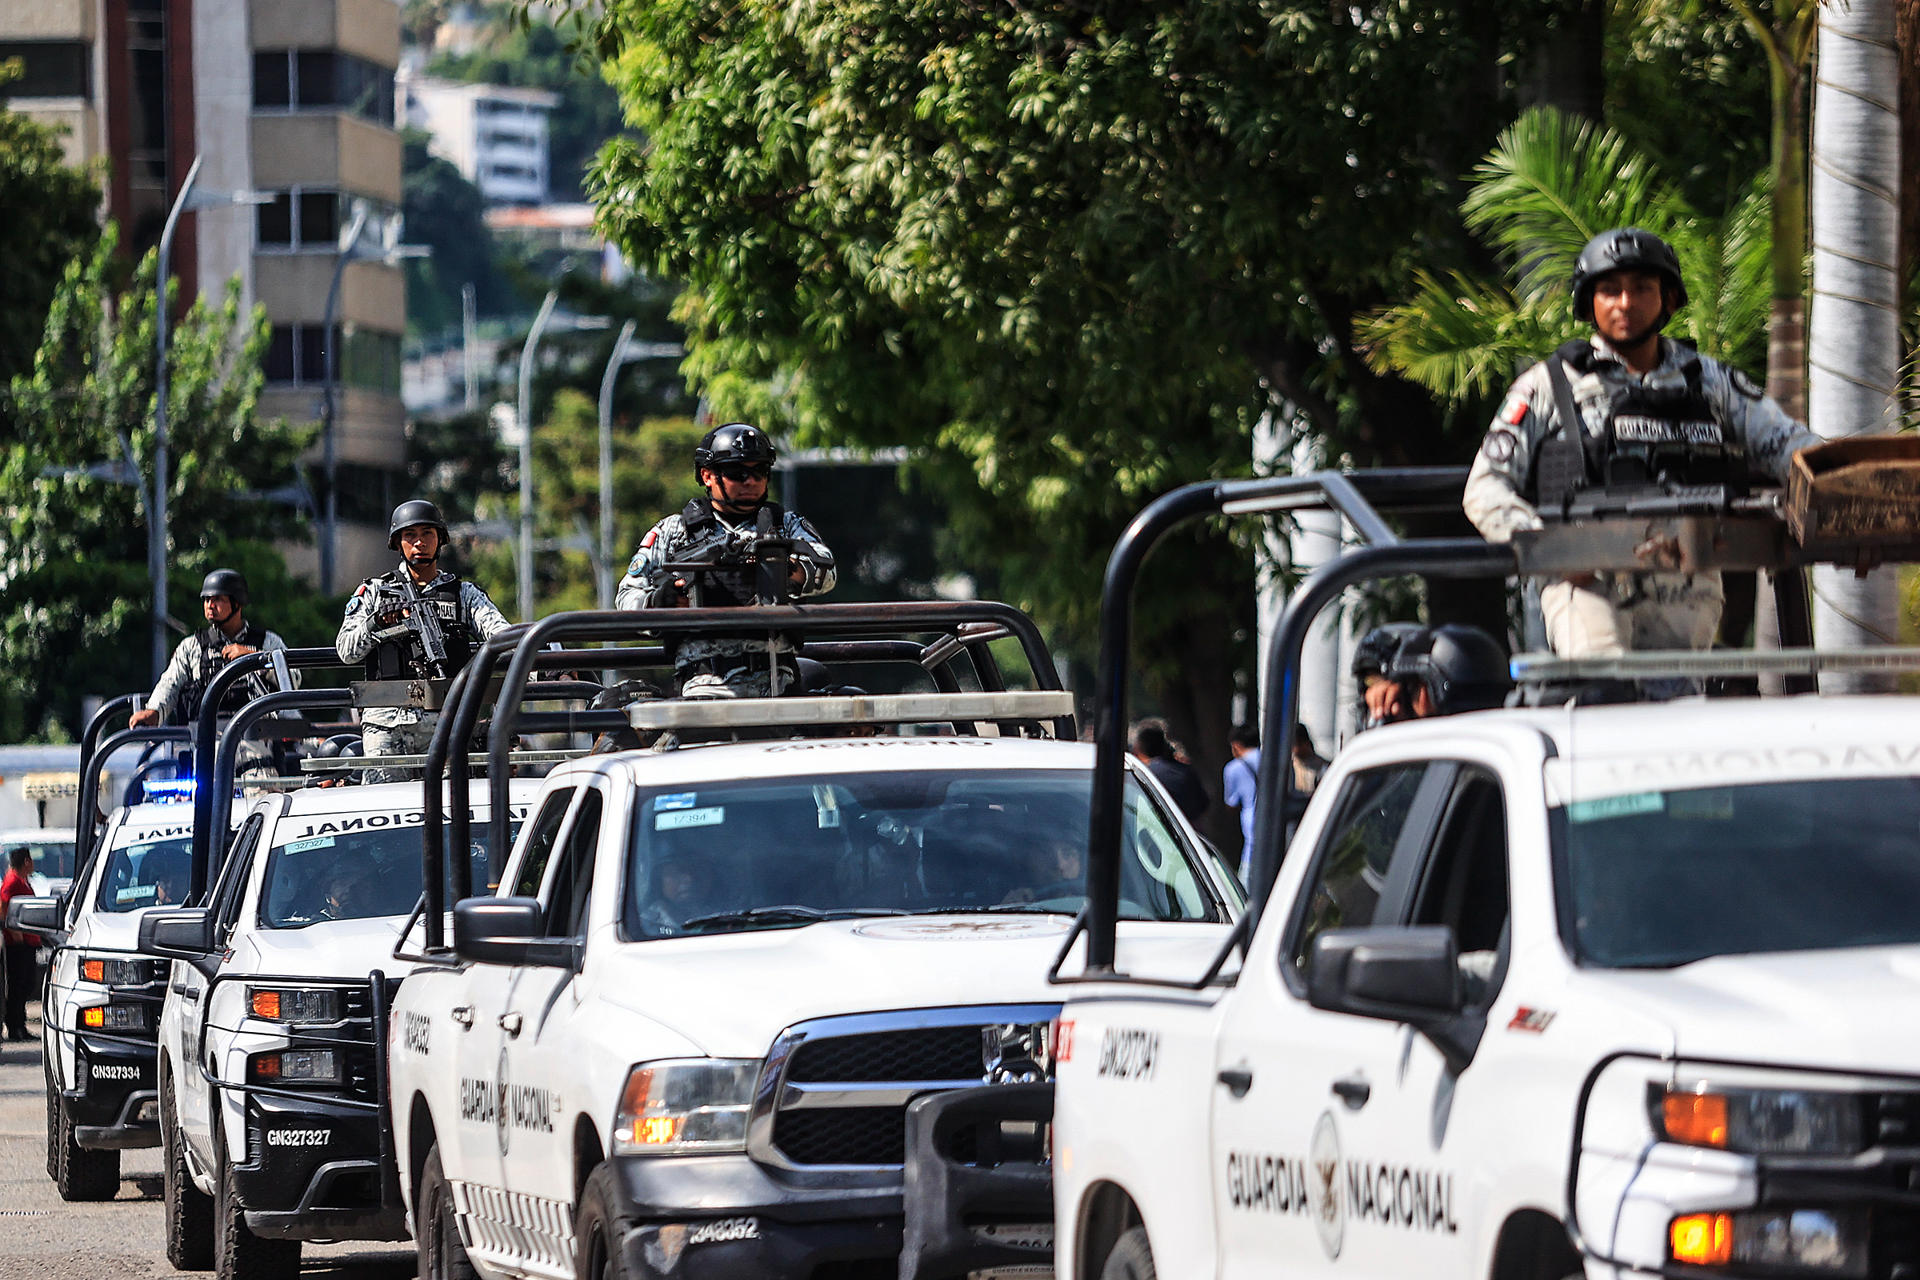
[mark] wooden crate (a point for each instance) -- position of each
(1850, 499)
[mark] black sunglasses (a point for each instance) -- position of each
(741, 474)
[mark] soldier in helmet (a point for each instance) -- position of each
(376, 631)
(198, 658)
(1649, 410)
(733, 464)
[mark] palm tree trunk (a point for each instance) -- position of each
(1854, 348)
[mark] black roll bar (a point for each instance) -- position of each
(526, 642)
(84, 853)
(206, 737)
(1358, 496)
(220, 802)
(87, 821)
(611, 624)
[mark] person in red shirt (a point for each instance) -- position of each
(20, 947)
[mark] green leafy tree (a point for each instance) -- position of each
(47, 207)
(1550, 184)
(444, 212)
(1070, 253)
(74, 590)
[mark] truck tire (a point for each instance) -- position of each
(53, 1117)
(437, 1232)
(78, 1174)
(189, 1209)
(1131, 1259)
(238, 1254)
(597, 1230)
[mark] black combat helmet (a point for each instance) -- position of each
(1463, 668)
(1620, 249)
(410, 513)
(225, 582)
(1374, 655)
(734, 442)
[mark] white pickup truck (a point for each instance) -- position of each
(1606, 991)
(684, 1040)
(270, 1054)
(101, 1006)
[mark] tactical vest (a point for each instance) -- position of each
(402, 658)
(211, 641)
(1653, 436)
(721, 589)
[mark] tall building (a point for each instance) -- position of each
(495, 135)
(293, 101)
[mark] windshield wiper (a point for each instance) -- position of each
(787, 915)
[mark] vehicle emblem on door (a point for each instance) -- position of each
(500, 1111)
(1323, 1186)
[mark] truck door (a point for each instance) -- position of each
(540, 1042)
(1292, 1081)
(472, 1140)
(1361, 1116)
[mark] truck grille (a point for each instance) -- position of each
(836, 1090)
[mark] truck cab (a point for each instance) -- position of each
(271, 1038)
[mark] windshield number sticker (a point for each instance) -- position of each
(1616, 807)
(137, 893)
(304, 846)
(679, 800)
(709, 817)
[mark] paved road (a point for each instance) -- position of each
(44, 1238)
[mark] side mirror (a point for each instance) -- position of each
(177, 933)
(508, 931)
(1405, 974)
(36, 915)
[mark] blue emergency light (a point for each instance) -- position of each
(167, 790)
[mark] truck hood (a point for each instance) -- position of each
(1837, 1008)
(731, 994)
(338, 949)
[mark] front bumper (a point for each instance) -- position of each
(313, 1172)
(115, 1102)
(727, 1216)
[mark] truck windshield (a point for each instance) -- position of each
(1663, 878)
(790, 851)
(335, 868)
(146, 873)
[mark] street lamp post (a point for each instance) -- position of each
(330, 453)
(603, 563)
(183, 202)
(525, 423)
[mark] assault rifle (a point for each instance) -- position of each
(759, 549)
(424, 621)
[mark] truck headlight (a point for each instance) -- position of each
(114, 1017)
(677, 1107)
(1760, 1122)
(1826, 1241)
(116, 973)
(295, 1066)
(294, 1004)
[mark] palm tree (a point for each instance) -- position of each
(1853, 381)
(1551, 183)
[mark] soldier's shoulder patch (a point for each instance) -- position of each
(1743, 384)
(1514, 412)
(1500, 445)
(652, 534)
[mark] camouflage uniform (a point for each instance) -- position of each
(735, 664)
(392, 652)
(1621, 610)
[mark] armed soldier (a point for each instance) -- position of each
(745, 539)
(198, 658)
(1651, 413)
(419, 622)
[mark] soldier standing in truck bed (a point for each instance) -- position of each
(1642, 401)
(376, 631)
